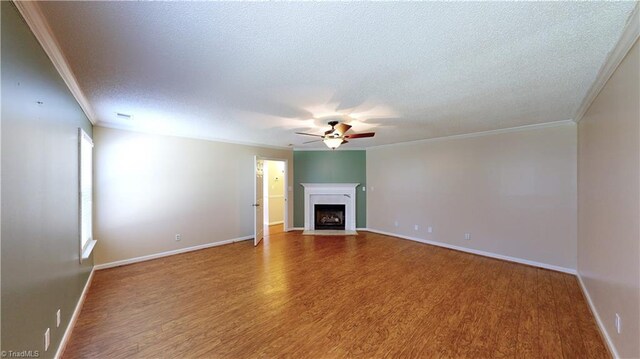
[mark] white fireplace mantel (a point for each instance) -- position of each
(330, 193)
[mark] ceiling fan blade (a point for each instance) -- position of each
(343, 142)
(308, 134)
(360, 135)
(304, 143)
(342, 128)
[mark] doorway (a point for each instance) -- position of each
(267, 198)
(275, 201)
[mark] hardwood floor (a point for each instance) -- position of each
(332, 297)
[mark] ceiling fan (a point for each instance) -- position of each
(336, 136)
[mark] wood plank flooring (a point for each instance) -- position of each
(365, 296)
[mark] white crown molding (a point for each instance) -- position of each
(629, 36)
(479, 134)
(327, 149)
(200, 138)
(36, 21)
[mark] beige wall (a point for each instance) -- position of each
(149, 188)
(609, 204)
(514, 192)
(41, 269)
(275, 191)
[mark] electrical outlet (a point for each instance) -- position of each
(178, 237)
(395, 223)
(47, 339)
(618, 323)
(58, 318)
(364, 189)
(415, 227)
(430, 229)
(467, 236)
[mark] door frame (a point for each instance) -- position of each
(286, 186)
(258, 206)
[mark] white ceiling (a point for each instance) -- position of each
(258, 72)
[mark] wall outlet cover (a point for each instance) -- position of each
(47, 339)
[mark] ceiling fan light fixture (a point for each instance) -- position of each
(333, 142)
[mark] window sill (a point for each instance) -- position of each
(88, 248)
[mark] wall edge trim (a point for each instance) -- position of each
(326, 149)
(119, 127)
(74, 317)
(481, 133)
(615, 56)
(479, 252)
(32, 15)
(149, 257)
(594, 312)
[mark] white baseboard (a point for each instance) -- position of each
(74, 316)
(603, 329)
(276, 222)
(169, 253)
(302, 229)
(478, 252)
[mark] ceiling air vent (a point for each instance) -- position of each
(123, 116)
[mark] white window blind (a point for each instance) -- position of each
(86, 195)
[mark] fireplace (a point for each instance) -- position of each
(329, 216)
(342, 194)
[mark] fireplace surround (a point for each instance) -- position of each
(343, 194)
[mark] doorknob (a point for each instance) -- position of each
(256, 205)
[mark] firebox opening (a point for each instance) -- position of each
(329, 216)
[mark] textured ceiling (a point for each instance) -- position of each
(258, 72)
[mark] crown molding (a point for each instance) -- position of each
(480, 134)
(119, 127)
(36, 21)
(629, 36)
(328, 149)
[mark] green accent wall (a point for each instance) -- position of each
(41, 272)
(329, 167)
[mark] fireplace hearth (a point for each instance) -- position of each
(329, 216)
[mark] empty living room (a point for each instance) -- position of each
(302, 179)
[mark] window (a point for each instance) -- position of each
(86, 195)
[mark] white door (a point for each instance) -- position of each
(258, 230)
